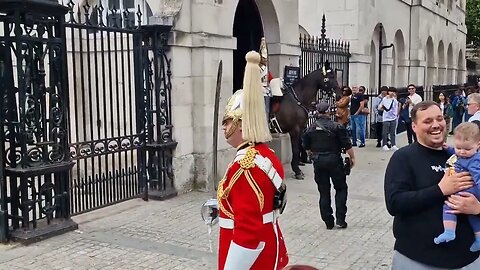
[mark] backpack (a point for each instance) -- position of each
(459, 105)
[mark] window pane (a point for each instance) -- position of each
(113, 4)
(114, 20)
(130, 20)
(128, 4)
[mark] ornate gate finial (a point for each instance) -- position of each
(323, 30)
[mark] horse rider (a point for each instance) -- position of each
(324, 142)
(251, 196)
(272, 89)
(266, 75)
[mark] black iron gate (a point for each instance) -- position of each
(85, 113)
(316, 51)
(120, 115)
(105, 139)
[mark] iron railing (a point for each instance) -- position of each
(319, 52)
(316, 51)
(104, 135)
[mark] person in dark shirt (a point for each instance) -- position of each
(324, 141)
(416, 187)
(357, 103)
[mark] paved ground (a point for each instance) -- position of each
(171, 234)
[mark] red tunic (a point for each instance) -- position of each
(245, 204)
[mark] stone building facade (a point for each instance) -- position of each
(205, 32)
(429, 38)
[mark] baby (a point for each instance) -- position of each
(465, 158)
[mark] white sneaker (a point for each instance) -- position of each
(385, 148)
(394, 148)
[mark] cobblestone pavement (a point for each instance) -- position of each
(171, 234)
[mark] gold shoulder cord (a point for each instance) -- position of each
(246, 163)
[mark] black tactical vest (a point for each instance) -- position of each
(324, 137)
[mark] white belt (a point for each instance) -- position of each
(227, 223)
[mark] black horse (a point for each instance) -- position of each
(297, 101)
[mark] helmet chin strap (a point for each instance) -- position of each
(232, 128)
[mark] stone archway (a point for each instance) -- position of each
(303, 31)
(450, 66)
(431, 68)
(460, 68)
(375, 45)
(399, 56)
(253, 20)
(269, 18)
(441, 63)
(373, 66)
(248, 29)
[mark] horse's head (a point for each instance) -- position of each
(327, 82)
(323, 80)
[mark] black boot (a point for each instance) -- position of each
(299, 176)
(329, 224)
(342, 224)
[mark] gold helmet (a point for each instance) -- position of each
(248, 105)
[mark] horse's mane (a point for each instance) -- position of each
(301, 80)
(306, 77)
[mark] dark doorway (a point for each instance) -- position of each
(248, 29)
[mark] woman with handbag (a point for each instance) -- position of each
(343, 113)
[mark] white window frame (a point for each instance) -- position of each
(120, 9)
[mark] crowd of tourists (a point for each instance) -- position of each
(389, 111)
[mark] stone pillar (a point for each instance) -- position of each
(198, 42)
(359, 71)
(387, 67)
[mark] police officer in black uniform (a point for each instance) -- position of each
(325, 140)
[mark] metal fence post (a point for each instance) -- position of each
(158, 113)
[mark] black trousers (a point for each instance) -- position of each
(411, 136)
(378, 131)
(328, 167)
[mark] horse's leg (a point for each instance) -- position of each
(295, 142)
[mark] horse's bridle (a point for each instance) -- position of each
(290, 90)
(326, 84)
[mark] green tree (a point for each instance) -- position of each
(472, 22)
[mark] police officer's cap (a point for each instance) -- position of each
(322, 107)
